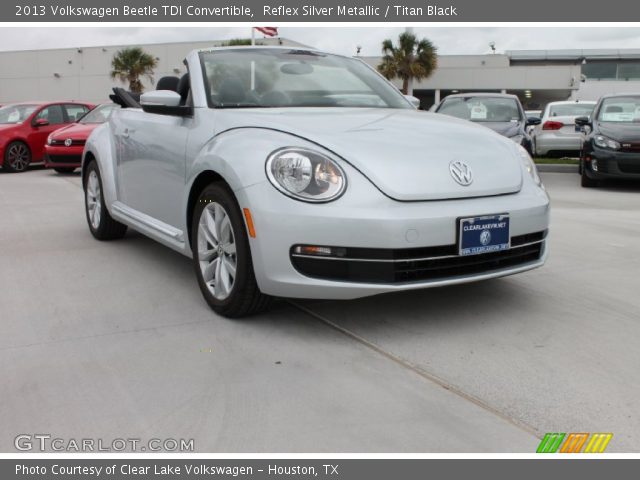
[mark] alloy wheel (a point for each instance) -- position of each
(18, 157)
(216, 250)
(94, 199)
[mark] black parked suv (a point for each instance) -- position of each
(500, 112)
(611, 148)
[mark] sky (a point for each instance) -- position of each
(344, 40)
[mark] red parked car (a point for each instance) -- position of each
(63, 151)
(24, 128)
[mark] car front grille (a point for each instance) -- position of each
(416, 264)
(630, 147)
(65, 158)
(74, 143)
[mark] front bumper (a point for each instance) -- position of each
(613, 164)
(62, 156)
(365, 219)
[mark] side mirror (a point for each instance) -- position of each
(164, 102)
(533, 121)
(583, 121)
(413, 100)
(41, 122)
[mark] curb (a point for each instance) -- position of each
(557, 168)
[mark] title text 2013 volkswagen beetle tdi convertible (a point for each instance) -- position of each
(295, 173)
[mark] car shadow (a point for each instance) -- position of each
(621, 185)
(454, 305)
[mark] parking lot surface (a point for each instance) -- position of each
(110, 340)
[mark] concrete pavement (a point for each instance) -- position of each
(112, 339)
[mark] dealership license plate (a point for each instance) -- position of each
(484, 234)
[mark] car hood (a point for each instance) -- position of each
(405, 153)
(75, 131)
(622, 132)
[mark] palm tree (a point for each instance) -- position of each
(412, 59)
(129, 64)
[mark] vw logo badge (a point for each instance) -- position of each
(485, 237)
(68, 142)
(461, 173)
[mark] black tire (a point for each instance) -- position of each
(17, 157)
(105, 227)
(65, 169)
(244, 297)
(586, 181)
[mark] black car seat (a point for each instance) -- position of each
(168, 83)
(614, 109)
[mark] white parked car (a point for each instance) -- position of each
(558, 133)
(296, 173)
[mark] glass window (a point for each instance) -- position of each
(482, 109)
(53, 114)
(629, 71)
(620, 109)
(15, 113)
(600, 70)
(99, 114)
(294, 78)
(75, 112)
(571, 110)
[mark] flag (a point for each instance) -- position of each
(268, 31)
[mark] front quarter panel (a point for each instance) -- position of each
(100, 145)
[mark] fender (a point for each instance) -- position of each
(100, 145)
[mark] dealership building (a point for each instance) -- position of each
(536, 76)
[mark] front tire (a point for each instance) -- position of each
(101, 224)
(222, 257)
(17, 157)
(586, 181)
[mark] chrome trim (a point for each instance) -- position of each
(147, 221)
(394, 260)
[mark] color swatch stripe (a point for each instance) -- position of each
(573, 442)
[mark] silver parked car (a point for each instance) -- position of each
(557, 133)
(296, 173)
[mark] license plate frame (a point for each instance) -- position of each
(484, 234)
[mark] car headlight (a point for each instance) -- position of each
(306, 174)
(604, 142)
(517, 138)
(530, 166)
(49, 140)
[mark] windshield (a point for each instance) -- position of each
(11, 114)
(99, 114)
(620, 110)
(571, 110)
(293, 78)
(482, 109)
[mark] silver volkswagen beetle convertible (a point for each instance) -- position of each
(296, 173)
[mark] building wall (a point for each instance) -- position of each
(594, 89)
(494, 72)
(83, 74)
